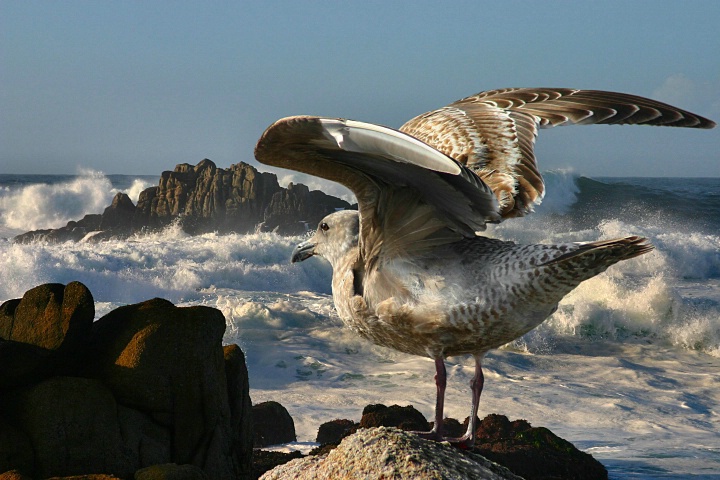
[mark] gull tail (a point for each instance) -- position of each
(592, 258)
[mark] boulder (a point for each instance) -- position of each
(334, 431)
(44, 332)
(150, 443)
(72, 425)
(388, 453)
(21, 363)
(272, 424)
(50, 316)
(404, 418)
(119, 215)
(147, 385)
(241, 424)
(167, 362)
(16, 452)
(534, 453)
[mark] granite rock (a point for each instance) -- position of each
(389, 453)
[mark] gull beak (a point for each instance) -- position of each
(302, 252)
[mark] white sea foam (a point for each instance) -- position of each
(43, 205)
(626, 368)
(52, 206)
(135, 189)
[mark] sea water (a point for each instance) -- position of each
(627, 369)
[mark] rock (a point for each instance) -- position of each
(148, 384)
(264, 460)
(21, 363)
(14, 475)
(295, 210)
(388, 453)
(44, 332)
(171, 471)
(272, 424)
(73, 231)
(452, 428)
(240, 407)
(336, 430)
(404, 418)
(534, 453)
(203, 198)
(50, 316)
(119, 215)
(16, 452)
(167, 362)
(72, 425)
(7, 317)
(149, 442)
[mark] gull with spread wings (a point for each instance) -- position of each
(410, 269)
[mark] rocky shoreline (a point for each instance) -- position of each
(200, 199)
(148, 391)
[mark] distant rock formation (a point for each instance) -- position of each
(145, 391)
(203, 198)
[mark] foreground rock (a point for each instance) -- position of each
(389, 453)
(41, 333)
(147, 385)
(535, 453)
(203, 198)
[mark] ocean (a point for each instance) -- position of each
(627, 369)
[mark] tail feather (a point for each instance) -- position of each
(607, 252)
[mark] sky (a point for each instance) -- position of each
(136, 87)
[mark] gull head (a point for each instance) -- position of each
(337, 234)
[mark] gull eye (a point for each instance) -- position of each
(324, 227)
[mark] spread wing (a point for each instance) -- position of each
(493, 133)
(410, 196)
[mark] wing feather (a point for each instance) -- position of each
(493, 132)
(410, 195)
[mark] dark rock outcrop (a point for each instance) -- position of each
(336, 430)
(404, 418)
(534, 453)
(203, 198)
(272, 424)
(146, 385)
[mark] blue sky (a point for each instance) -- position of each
(136, 87)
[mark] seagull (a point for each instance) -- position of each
(411, 269)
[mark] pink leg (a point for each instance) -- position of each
(440, 383)
(476, 385)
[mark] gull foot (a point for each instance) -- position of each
(464, 443)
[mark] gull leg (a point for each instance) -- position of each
(440, 383)
(476, 385)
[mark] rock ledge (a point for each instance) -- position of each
(389, 453)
